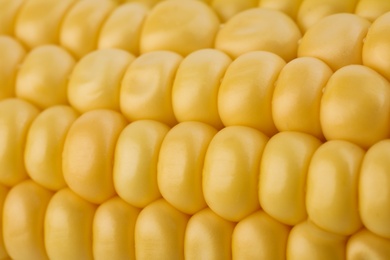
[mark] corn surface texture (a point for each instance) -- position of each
(195, 129)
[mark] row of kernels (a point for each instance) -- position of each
(19, 15)
(338, 185)
(354, 48)
(192, 165)
(84, 26)
(62, 225)
(257, 89)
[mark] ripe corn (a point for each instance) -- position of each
(188, 129)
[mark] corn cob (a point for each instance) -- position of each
(127, 132)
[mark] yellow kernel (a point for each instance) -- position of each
(12, 54)
(355, 106)
(44, 146)
(283, 173)
(80, 27)
(337, 40)
(296, 99)
(122, 29)
(312, 11)
(195, 89)
(332, 187)
(146, 89)
(8, 12)
(259, 236)
(43, 76)
(179, 26)
(96, 79)
(23, 220)
(376, 49)
(180, 165)
(231, 172)
(226, 9)
(374, 189)
(251, 30)
(372, 9)
(136, 157)
(159, 232)
(113, 230)
(68, 227)
(88, 154)
(245, 94)
(289, 7)
(307, 241)
(16, 116)
(39, 21)
(208, 236)
(366, 245)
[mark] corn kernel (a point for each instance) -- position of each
(372, 9)
(8, 13)
(337, 39)
(376, 50)
(44, 146)
(332, 187)
(122, 29)
(251, 30)
(366, 245)
(307, 241)
(374, 189)
(208, 236)
(159, 232)
(96, 79)
(296, 100)
(80, 27)
(245, 94)
(39, 21)
(312, 11)
(355, 106)
(68, 226)
(23, 220)
(113, 230)
(12, 53)
(231, 172)
(146, 89)
(283, 173)
(16, 116)
(289, 7)
(226, 9)
(43, 77)
(259, 236)
(179, 26)
(88, 154)
(180, 165)
(136, 157)
(195, 89)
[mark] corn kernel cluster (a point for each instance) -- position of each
(189, 129)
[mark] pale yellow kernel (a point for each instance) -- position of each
(136, 157)
(336, 39)
(196, 85)
(88, 154)
(179, 26)
(251, 30)
(208, 236)
(43, 76)
(332, 187)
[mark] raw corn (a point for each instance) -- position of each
(189, 129)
